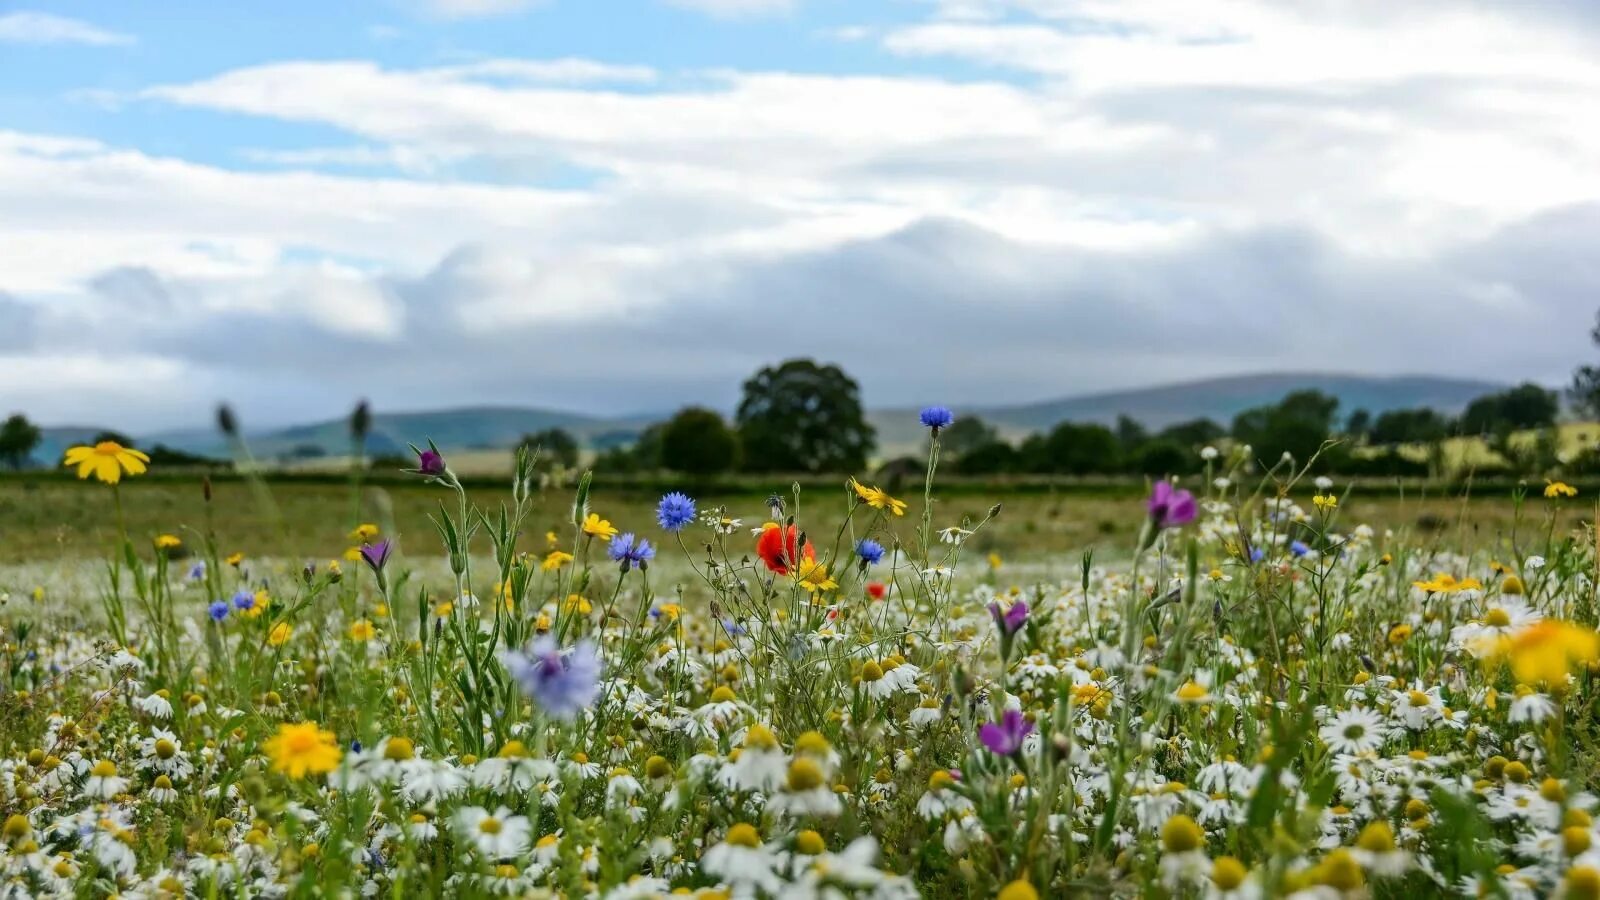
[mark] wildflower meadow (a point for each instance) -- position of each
(1254, 698)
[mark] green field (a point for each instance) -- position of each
(58, 519)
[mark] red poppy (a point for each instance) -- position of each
(876, 590)
(778, 553)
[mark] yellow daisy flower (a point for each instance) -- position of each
(303, 749)
(108, 461)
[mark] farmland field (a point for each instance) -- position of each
(1255, 689)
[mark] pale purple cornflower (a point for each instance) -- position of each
(1010, 620)
(1171, 507)
(630, 550)
(377, 554)
(244, 600)
(561, 683)
(1005, 737)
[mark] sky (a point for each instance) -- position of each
(623, 206)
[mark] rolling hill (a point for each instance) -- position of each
(497, 427)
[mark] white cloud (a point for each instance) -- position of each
(28, 27)
(736, 8)
(1144, 190)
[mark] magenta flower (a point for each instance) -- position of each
(1171, 507)
(1005, 737)
(1010, 620)
(430, 462)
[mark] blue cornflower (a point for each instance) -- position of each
(870, 551)
(244, 600)
(1298, 548)
(937, 417)
(563, 684)
(676, 510)
(630, 550)
(218, 610)
(197, 572)
(1257, 554)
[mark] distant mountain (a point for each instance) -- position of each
(1219, 399)
(496, 427)
(480, 427)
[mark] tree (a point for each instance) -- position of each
(1079, 449)
(1298, 425)
(555, 446)
(1522, 408)
(1585, 390)
(18, 437)
(1194, 434)
(1409, 426)
(1162, 456)
(967, 434)
(1359, 424)
(697, 442)
(802, 417)
(993, 458)
(1130, 435)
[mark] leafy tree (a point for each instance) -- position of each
(1584, 393)
(1079, 449)
(993, 458)
(1194, 434)
(555, 445)
(1526, 406)
(1163, 456)
(1130, 435)
(802, 417)
(18, 437)
(697, 442)
(967, 434)
(1359, 424)
(1409, 426)
(1298, 425)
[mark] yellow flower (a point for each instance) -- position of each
(1545, 652)
(234, 559)
(594, 526)
(352, 555)
(362, 631)
(670, 611)
(1325, 501)
(877, 499)
(1554, 489)
(994, 561)
(303, 749)
(1445, 583)
(262, 601)
(280, 633)
(551, 539)
(364, 533)
(555, 559)
(1399, 634)
(168, 542)
(814, 576)
(107, 461)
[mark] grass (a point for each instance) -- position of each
(55, 519)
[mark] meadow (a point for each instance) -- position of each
(1243, 684)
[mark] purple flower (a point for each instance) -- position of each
(937, 417)
(377, 554)
(1171, 507)
(1299, 548)
(630, 550)
(1010, 620)
(1004, 738)
(244, 600)
(197, 572)
(430, 462)
(218, 610)
(675, 511)
(563, 684)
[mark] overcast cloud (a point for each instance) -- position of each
(997, 200)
